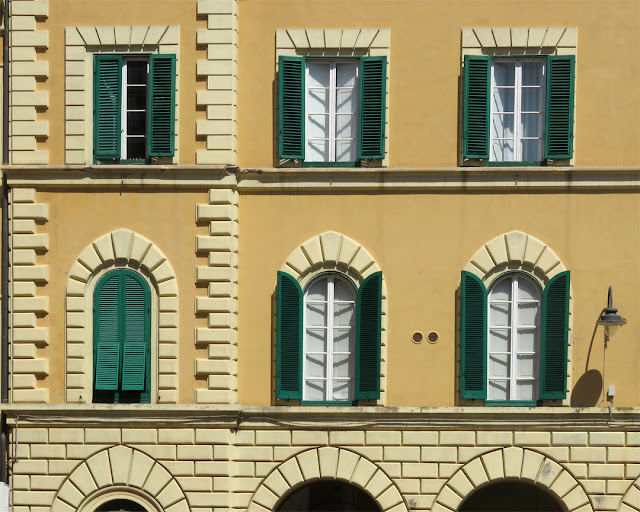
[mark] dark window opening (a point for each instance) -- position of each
(510, 497)
(328, 496)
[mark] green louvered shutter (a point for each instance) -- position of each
(289, 338)
(473, 336)
(136, 333)
(162, 101)
(477, 85)
(555, 337)
(368, 338)
(107, 106)
(373, 89)
(291, 95)
(107, 334)
(560, 88)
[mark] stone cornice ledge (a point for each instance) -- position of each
(474, 179)
(236, 416)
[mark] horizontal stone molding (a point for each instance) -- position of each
(520, 37)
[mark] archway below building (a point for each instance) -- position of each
(121, 506)
(328, 496)
(510, 497)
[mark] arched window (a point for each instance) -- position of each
(510, 497)
(121, 338)
(121, 506)
(325, 495)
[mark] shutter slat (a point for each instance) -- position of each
(291, 107)
(560, 88)
(476, 106)
(289, 338)
(135, 338)
(162, 74)
(107, 106)
(473, 335)
(107, 346)
(368, 338)
(373, 85)
(555, 336)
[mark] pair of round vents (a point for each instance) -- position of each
(418, 337)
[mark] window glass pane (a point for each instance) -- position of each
(346, 74)
(527, 290)
(526, 340)
(504, 73)
(503, 126)
(346, 127)
(343, 291)
(317, 290)
(136, 122)
(343, 315)
(531, 125)
(532, 73)
(346, 151)
(525, 366)
(342, 340)
(498, 390)
(315, 365)
(316, 340)
(502, 151)
(136, 98)
(318, 126)
(318, 101)
(531, 99)
(346, 101)
(503, 100)
(341, 365)
(527, 314)
(525, 390)
(317, 151)
(531, 150)
(499, 365)
(499, 315)
(314, 390)
(136, 147)
(341, 390)
(502, 290)
(316, 314)
(136, 71)
(499, 340)
(318, 74)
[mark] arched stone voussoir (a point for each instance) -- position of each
(514, 464)
(631, 499)
(327, 463)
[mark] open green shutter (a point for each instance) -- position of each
(136, 333)
(560, 88)
(555, 337)
(368, 338)
(373, 90)
(291, 99)
(289, 338)
(473, 336)
(476, 109)
(107, 334)
(162, 101)
(107, 106)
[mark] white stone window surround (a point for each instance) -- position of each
(121, 249)
(81, 44)
(329, 43)
(517, 41)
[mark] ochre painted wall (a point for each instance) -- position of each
(79, 217)
(424, 70)
(63, 13)
(422, 242)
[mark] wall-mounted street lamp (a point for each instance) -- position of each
(610, 317)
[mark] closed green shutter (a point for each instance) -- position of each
(373, 90)
(473, 336)
(560, 88)
(162, 90)
(368, 338)
(136, 333)
(291, 100)
(107, 106)
(289, 338)
(555, 337)
(476, 110)
(107, 334)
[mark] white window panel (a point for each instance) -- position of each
(329, 340)
(514, 339)
(332, 111)
(517, 110)
(135, 87)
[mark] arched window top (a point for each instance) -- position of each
(120, 505)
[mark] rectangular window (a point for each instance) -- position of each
(134, 107)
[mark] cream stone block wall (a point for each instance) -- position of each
(81, 43)
(221, 302)
(28, 301)
(122, 248)
(335, 42)
(220, 98)
(27, 65)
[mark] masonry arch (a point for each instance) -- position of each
(513, 464)
(122, 248)
(120, 473)
(327, 463)
(631, 500)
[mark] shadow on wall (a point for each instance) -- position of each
(588, 390)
